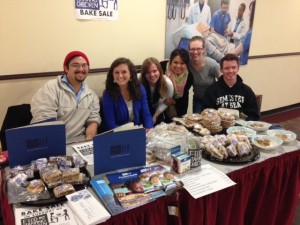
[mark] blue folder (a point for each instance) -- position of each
(35, 141)
(119, 150)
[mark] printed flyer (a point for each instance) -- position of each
(139, 186)
(58, 214)
(86, 151)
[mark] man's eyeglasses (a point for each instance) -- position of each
(196, 49)
(77, 66)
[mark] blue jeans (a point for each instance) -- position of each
(197, 104)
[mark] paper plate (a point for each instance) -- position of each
(239, 130)
(266, 142)
(285, 135)
(258, 125)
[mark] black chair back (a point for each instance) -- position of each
(163, 64)
(16, 116)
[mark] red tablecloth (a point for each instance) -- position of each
(6, 209)
(265, 193)
(154, 213)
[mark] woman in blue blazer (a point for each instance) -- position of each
(124, 98)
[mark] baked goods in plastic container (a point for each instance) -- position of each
(34, 184)
(63, 190)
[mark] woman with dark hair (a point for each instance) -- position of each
(158, 88)
(243, 48)
(124, 98)
(177, 71)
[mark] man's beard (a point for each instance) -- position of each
(80, 80)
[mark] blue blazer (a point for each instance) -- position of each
(115, 112)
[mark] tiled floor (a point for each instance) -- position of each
(293, 125)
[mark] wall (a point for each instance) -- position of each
(138, 34)
(36, 35)
(274, 32)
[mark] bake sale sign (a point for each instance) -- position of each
(55, 214)
(96, 9)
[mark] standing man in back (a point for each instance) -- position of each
(238, 29)
(200, 11)
(221, 19)
(69, 99)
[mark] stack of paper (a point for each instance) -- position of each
(86, 208)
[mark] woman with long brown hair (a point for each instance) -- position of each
(124, 98)
(158, 88)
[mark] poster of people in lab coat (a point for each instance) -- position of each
(225, 25)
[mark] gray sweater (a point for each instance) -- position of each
(205, 77)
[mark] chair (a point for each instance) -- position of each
(163, 64)
(258, 102)
(101, 128)
(16, 116)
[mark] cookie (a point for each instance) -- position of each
(36, 186)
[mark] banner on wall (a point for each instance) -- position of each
(96, 9)
(225, 25)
